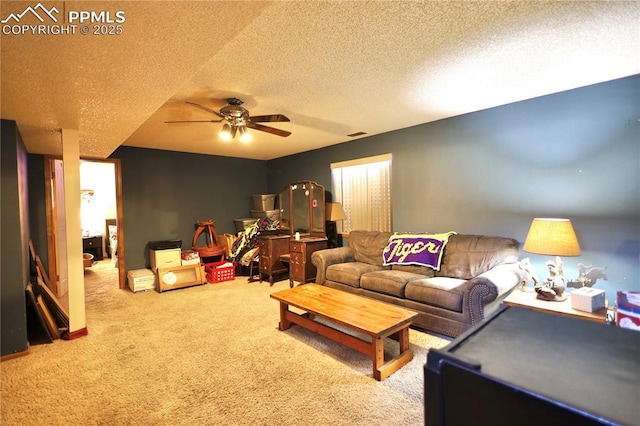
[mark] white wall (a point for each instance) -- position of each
(100, 178)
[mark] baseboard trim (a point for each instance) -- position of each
(76, 334)
(7, 357)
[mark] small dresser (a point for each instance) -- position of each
(93, 245)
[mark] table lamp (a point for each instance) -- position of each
(333, 213)
(554, 237)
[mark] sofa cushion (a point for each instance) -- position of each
(349, 273)
(437, 291)
(388, 281)
(420, 270)
(467, 256)
(368, 245)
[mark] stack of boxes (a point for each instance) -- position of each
(263, 206)
(162, 254)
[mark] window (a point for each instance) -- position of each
(363, 187)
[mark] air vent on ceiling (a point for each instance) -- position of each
(353, 135)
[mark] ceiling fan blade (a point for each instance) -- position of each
(271, 130)
(268, 118)
(194, 121)
(204, 108)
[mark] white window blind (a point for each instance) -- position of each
(363, 187)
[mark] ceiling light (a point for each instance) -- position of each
(225, 133)
(245, 136)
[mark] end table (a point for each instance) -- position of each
(528, 299)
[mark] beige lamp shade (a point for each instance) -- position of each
(334, 212)
(553, 237)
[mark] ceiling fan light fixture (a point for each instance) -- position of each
(225, 133)
(245, 136)
(236, 119)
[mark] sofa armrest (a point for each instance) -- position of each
(322, 259)
(486, 288)
(505, 277)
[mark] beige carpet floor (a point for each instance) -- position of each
(205, 355)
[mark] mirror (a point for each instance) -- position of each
(285, 209)
(302, 208)
(301, 220)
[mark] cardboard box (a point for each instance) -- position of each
(180, 277)
(141, 280)
(165, 258)
(587, 299)
(190, 257)
(628, 310)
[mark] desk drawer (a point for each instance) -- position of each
(296, 247)
(296, 272)
(297, 258)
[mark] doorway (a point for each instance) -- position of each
(101, 218)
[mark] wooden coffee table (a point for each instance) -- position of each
(377, 319)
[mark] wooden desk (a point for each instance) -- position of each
(528, 299)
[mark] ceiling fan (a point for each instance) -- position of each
(237, 120)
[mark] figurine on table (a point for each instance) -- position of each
(588, 275)
(552, 289)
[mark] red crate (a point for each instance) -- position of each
(216, 273)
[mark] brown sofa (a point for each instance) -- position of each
(476, 273)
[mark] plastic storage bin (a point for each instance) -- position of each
(244, 223)
(218, 272)
(264, 201)
(271, 214)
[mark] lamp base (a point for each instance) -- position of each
(333, 238)
(549, 297)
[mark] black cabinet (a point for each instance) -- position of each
(523, 367)
(93, 245)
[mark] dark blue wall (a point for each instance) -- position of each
(574, 154)
(15, 272)
(164, 193)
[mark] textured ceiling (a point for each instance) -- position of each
(333, 68)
